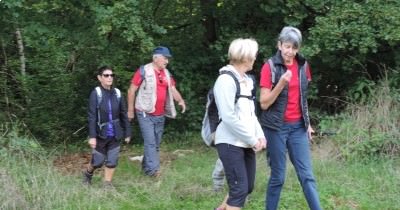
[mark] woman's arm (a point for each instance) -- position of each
(268, 96)
(123, 117)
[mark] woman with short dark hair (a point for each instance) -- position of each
(108, 123)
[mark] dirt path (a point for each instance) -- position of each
(78, 162)
(75, 163)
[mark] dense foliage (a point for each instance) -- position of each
(49, 51)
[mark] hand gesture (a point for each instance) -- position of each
(259, 145)
(183, 106)
(286, 77)
(127, 140)
(92, 142)
(131, 115)
(310, 131)
(264, 143)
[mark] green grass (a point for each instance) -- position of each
(186, 184)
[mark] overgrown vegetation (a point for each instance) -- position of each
(369, 128)
(49, 51)
(36, 183)
(13, 140)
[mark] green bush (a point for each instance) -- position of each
(369, 126)
(14, 141)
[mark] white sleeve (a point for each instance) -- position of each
(225, 93)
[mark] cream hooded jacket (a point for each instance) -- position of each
(239, 125)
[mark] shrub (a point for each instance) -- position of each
(14, 141)
(369, 128)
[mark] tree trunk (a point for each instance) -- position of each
(3, 65)
(208, 11)
(70, 67)
(21, 51)
(4, 55)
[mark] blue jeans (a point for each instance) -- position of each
(292, 138)
(152, 128)
(240, 171)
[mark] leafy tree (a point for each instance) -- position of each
(353, 40)
(49, 50)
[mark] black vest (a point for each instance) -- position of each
(273, 117)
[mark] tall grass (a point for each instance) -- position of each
(370, 128)
(186, 184)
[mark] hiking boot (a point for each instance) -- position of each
(87, 178)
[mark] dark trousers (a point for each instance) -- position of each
(240, 171)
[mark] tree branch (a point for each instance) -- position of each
(156, 8)
(312, 10)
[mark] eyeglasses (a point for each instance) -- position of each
(108, 75)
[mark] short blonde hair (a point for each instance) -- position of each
(242, 50)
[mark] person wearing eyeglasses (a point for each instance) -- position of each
(108, 123)
(153, 102)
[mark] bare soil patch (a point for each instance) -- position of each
(75, 163)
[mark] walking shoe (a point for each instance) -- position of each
(107, 185)
(87, 178)
(218, 189)
(156, 174)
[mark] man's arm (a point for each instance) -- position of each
(177, 97)
(131, 101)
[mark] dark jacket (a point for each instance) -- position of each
(121, 125)
(273, 117)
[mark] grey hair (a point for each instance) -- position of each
(242, 50)
(156, 56)
(292, 35)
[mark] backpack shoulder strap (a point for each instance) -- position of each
(141, 69)
(254, 91)
(99, 95)
(118, 94)
(237, 96)
(273, 70)
(99, 98)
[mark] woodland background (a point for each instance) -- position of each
(50, 50)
